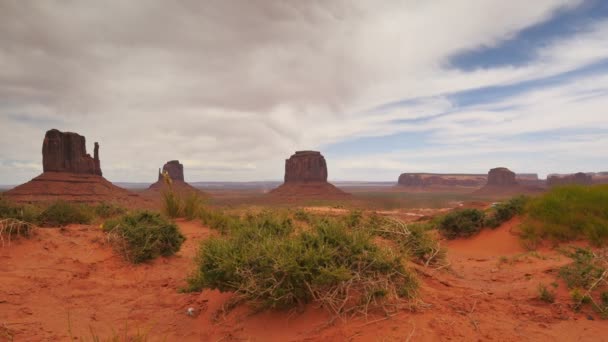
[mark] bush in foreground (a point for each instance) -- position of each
(267, 262)
(462, 223)
(11, 228)
(568, 213)
(143, 236)
(61, 213)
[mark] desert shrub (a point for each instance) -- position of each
(354, 218)
(302, 215)
(267, 262)
(415, 239)
(504, 211)
(462, 223)
(61, 213)
(192, 205)
(106, 210)
(568, 213)
(11, 228)
(172, 204)
(585, 269)
(545, 294)
(27, 213)
(219, 220)
(143, 236)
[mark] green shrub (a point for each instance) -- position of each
(504, 211)
(415, 239)
(266, 261)
(61, 213)
(302, 215)
(583, 271)
(545, 294)
(172, 204)
(462, 223)
(106, 210)
(144, 236)
(192, 205)
(27, 213)
(219, 221)
(569, 213)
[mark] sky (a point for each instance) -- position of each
(233, 88)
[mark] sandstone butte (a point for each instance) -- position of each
(306, 178)
(70, 174)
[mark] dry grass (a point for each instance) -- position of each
(12, 228)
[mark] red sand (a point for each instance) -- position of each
(73, 270)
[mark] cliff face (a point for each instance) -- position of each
(577, 178)
(66, 152)
(174, 169)
(306, 166)
(428, 179)
(501, 176)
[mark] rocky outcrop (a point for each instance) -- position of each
(66, 152)
(577, 178)
(174, 169)
(306, 178)
(306, 166)
(431, 179)
(501, 176)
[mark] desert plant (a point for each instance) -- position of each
(27, 213)
(545, 294)
(11, 228)
(62, 213)
(172, 204)
(568, 213)
(143, 236)
(462, 223)
(266, 261)
(192, 205)
(106, 210)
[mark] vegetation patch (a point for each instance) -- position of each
(143, 236)
(568, 213)
(264, 259)
(61, 213)
(462, 223)
(587, 277)
(11, 228)
(106, 210)
(504, 211)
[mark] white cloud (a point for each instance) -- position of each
(234, 87)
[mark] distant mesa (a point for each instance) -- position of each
(66, 152)
(501, 176)
(579, 178)
(504, 182)
(70, 174)
(435, 179)
(306, 166)
(175, 170)
(306, 178)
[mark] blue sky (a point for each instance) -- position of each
(438, 86)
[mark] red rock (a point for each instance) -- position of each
(501, 176)
(577, 178)
(306, 166)
(66, 152)
(430, 179)
(306, 178)
(174, 169)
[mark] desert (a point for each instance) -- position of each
(303, 171)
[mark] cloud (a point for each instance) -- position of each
(234, 87)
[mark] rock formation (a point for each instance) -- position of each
(306, 166)
(174, 169)
(577, 178)
(431, 179)
(70, 174)
(66, 152)
(501, 176)
(306, 178)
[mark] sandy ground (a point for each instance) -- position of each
(69, 281)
